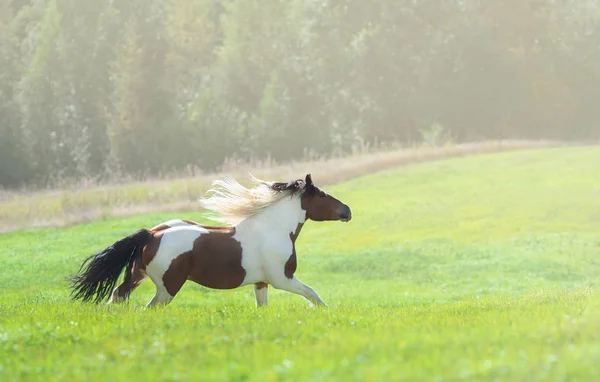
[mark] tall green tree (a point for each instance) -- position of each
(192, 35)
(151, 86)
(139, 111)
(14, 169)
(35, 90)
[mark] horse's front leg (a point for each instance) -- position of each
(260, 292)
(296, 286)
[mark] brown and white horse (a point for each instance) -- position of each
(257, 246)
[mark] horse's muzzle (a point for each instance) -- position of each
(346, 214)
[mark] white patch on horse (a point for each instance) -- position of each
(267, 246)
(177, 223)
(174, 242)
(265, 239)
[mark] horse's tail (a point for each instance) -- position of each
(102, 273)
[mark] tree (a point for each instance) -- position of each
(14, 169)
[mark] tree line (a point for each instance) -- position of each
(96, 88)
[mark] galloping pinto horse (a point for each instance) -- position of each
(257, 245)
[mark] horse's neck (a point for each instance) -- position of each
(283, 217)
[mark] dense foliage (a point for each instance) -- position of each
(96, 88)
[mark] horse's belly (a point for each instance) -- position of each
(217, 272)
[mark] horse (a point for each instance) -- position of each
(255, 246)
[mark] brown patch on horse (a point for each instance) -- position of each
(150, 249)
(217, 228)
(261, 285)
(295, 235)
(137, 276)
(291, 264)
(215, 261)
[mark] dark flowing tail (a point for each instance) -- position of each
(102, 273)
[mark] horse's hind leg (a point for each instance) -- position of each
(162, 297)
(168, 280)
(167, 287)
(123, 291)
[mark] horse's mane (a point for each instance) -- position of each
(234, 203)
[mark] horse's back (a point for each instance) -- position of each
(169, 244)
(173, 223)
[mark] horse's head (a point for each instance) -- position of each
(320, 206)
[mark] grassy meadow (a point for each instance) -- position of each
(474, 268)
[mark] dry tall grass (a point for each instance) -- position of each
(87, 202)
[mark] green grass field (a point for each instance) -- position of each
(476, 268)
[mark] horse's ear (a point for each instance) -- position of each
(308, 180)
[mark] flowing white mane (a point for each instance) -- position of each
(234, 202)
